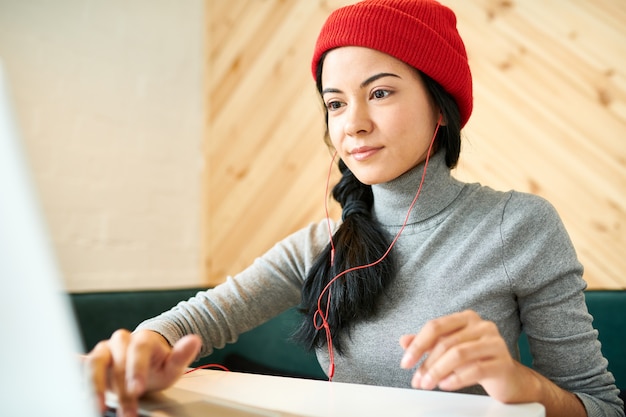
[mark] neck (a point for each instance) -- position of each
(393, 199)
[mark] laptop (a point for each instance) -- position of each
(40, 371)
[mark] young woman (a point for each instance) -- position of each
(426, 281)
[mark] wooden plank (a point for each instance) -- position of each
(550, 114)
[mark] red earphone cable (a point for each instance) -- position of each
(330, 232)
(324, 315)
(209, 365)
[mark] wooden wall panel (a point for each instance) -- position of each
(550, 118)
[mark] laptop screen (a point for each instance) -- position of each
(41, 373)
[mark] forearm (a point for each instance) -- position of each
(557, 401)
(221, 314)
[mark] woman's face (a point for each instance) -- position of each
(381, 118)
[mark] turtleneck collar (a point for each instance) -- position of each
(393, 199)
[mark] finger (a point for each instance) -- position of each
(149, 356)
(118, 344)
(455, 359)
(493, 363)
(473, 331)
(469, 375)
(405, 340)
(184, 352)
(426, 339)
(96, 364)
(167, 363)
(146, 349)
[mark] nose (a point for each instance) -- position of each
(358, 120)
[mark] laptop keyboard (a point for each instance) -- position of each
(112, 412)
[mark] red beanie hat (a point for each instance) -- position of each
(421, 33)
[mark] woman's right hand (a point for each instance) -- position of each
(132, 364)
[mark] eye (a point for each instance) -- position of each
(334, 105)
(379, 94)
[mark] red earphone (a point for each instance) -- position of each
(323, 315)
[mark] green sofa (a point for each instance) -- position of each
(268, 348)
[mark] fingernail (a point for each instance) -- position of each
(133, 387)
(406, 361)
(445, 384)
(427, 382)
(417, 378)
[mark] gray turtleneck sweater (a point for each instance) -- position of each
(504, 255)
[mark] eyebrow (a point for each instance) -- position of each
(364, 83)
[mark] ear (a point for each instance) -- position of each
(441, 119)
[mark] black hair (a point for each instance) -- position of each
(361, 240)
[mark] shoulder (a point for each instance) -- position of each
(315, 234)
(532, 212)
(509, 208)
(536, 245)
(513, 206)
(304, 245)
(525, 204)
(521, 218)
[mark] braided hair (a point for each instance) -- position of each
(360, 240)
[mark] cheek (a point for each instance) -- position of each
(334, 133)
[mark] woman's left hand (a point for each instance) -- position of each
(462, 350)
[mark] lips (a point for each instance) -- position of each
(364, 152)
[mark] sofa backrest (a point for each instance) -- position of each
(264, 349)
(608, 308)
(268, 348)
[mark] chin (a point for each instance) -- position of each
(371, 179)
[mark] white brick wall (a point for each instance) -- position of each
(109, 99)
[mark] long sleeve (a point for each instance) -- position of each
(506, 256)
(546, 276)
(271, 285)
